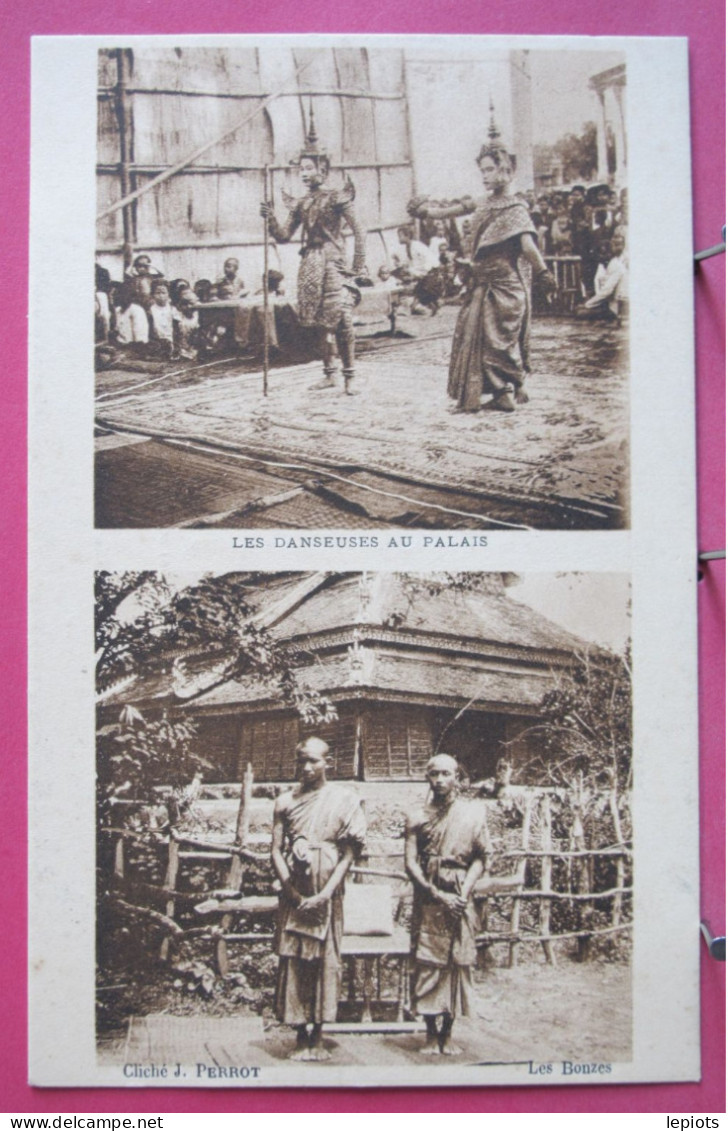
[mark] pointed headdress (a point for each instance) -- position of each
(312, 150)
(494, 147)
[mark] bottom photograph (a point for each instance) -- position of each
(352, 821)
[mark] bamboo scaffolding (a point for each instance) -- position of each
(147, 169)
(128, 198)
(372, 95)
(218, 241)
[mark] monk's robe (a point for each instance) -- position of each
(318, 826)
(449, 838)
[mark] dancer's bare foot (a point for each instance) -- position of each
(327, 382)
(503, 403)
(449, 1048)
(431, 1047)
(521, 396)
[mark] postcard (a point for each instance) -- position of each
(363, 664)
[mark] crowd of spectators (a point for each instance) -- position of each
(581, 232)
(589, 226)
(147, 316)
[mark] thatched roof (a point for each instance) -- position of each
(370, 636)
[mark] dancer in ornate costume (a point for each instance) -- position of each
(490, 349)
(327, 291)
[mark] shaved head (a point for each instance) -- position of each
(313, 746)
(442, 762)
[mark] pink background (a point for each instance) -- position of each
(703, 23)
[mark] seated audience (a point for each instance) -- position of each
(161, 321)
(140, 276)
(102, 305)
(186, 326)
(131, 325)
(610, 298)
(204, 291)
(230, 279)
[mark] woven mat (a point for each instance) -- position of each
(568, 442)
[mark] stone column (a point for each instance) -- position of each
(620, 134)
(602, 162)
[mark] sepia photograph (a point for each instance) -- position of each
(363, 821)
(355, 285)
(379, 501)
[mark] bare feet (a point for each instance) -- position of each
(503, 403)
(449, 1048)
(317, 1052)
(431, 1047)
(521, 396)
(327, 382)
(300, 1053)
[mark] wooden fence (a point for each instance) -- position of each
(516, 899)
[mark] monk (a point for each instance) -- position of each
(318, 831)
(445, 854)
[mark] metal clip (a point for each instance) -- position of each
(717, 249)
(716, 946)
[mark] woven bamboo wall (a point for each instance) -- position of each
(178, 99)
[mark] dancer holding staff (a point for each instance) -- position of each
(327, 290)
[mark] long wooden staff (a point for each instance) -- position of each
(265, 285)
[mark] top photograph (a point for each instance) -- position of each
(348, 286)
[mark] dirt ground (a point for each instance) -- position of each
(560, 461)
(580, 1012)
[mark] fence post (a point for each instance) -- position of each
(544, 916)
(235, 875)
(583, 886)
(170, 883)
(516, 909)
(618, 898)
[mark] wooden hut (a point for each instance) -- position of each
(461, 672)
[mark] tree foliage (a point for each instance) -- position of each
(197, 637)
(576, 153)
(585, 724)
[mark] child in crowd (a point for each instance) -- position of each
(203, 291)
(386, 281)
(161, 321)
(131, 325)
(231, 280)
(102, 307)
(176, 289)
(141, 276)
(186, 326)
(561, 233)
